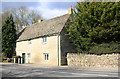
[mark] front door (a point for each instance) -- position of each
(23, 58)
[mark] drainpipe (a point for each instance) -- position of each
(59, 51)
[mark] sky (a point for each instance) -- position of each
(48, 10)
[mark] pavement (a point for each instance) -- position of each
(37, 70)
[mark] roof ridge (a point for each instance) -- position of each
(47, 20)
(51, 19)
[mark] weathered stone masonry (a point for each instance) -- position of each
(89, 60)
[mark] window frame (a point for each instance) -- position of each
(29, 55)
(46, 56)
(44, 39)
(29, 42)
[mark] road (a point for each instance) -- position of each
(15, 70)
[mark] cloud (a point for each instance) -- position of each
(48, 12)
(48, 9)
(41, 0)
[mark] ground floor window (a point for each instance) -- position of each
(28, 55)
(46, 56)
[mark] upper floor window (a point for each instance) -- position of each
(44, 39)
(29, 42)
(28, 55)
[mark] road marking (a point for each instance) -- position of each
(80, 74)
(103, 75)
(108, 75)
(75, 73)
(58, 71)
(63, 72)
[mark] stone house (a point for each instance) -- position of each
(46, 42)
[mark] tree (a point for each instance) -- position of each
(22, 16)
(8, 37)
(94, 23)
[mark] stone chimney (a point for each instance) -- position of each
(70, 10)
(40, 21)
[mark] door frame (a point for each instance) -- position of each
(23, 58)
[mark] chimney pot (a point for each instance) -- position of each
(70, 10)
(40, 21)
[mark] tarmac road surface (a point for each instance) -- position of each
(17, 70)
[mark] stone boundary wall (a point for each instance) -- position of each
(91, 60)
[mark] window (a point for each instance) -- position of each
(44, 39)
(28, 55)
(29, 42)
(46, 56)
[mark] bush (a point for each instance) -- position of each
(5, 61)
(16, 57)
(105, 48)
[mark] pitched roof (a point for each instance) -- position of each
(46, 27)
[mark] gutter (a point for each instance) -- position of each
(19, 40)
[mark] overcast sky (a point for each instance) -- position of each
(47, 9)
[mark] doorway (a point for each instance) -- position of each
(23, 58)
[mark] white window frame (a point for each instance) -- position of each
(29, 42)
(44, 39)
(46, 56)
(29, 55)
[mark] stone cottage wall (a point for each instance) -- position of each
(89, 60)
(66, 46)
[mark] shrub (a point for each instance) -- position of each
(16, 57)
(6, 61)
(105, 48)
